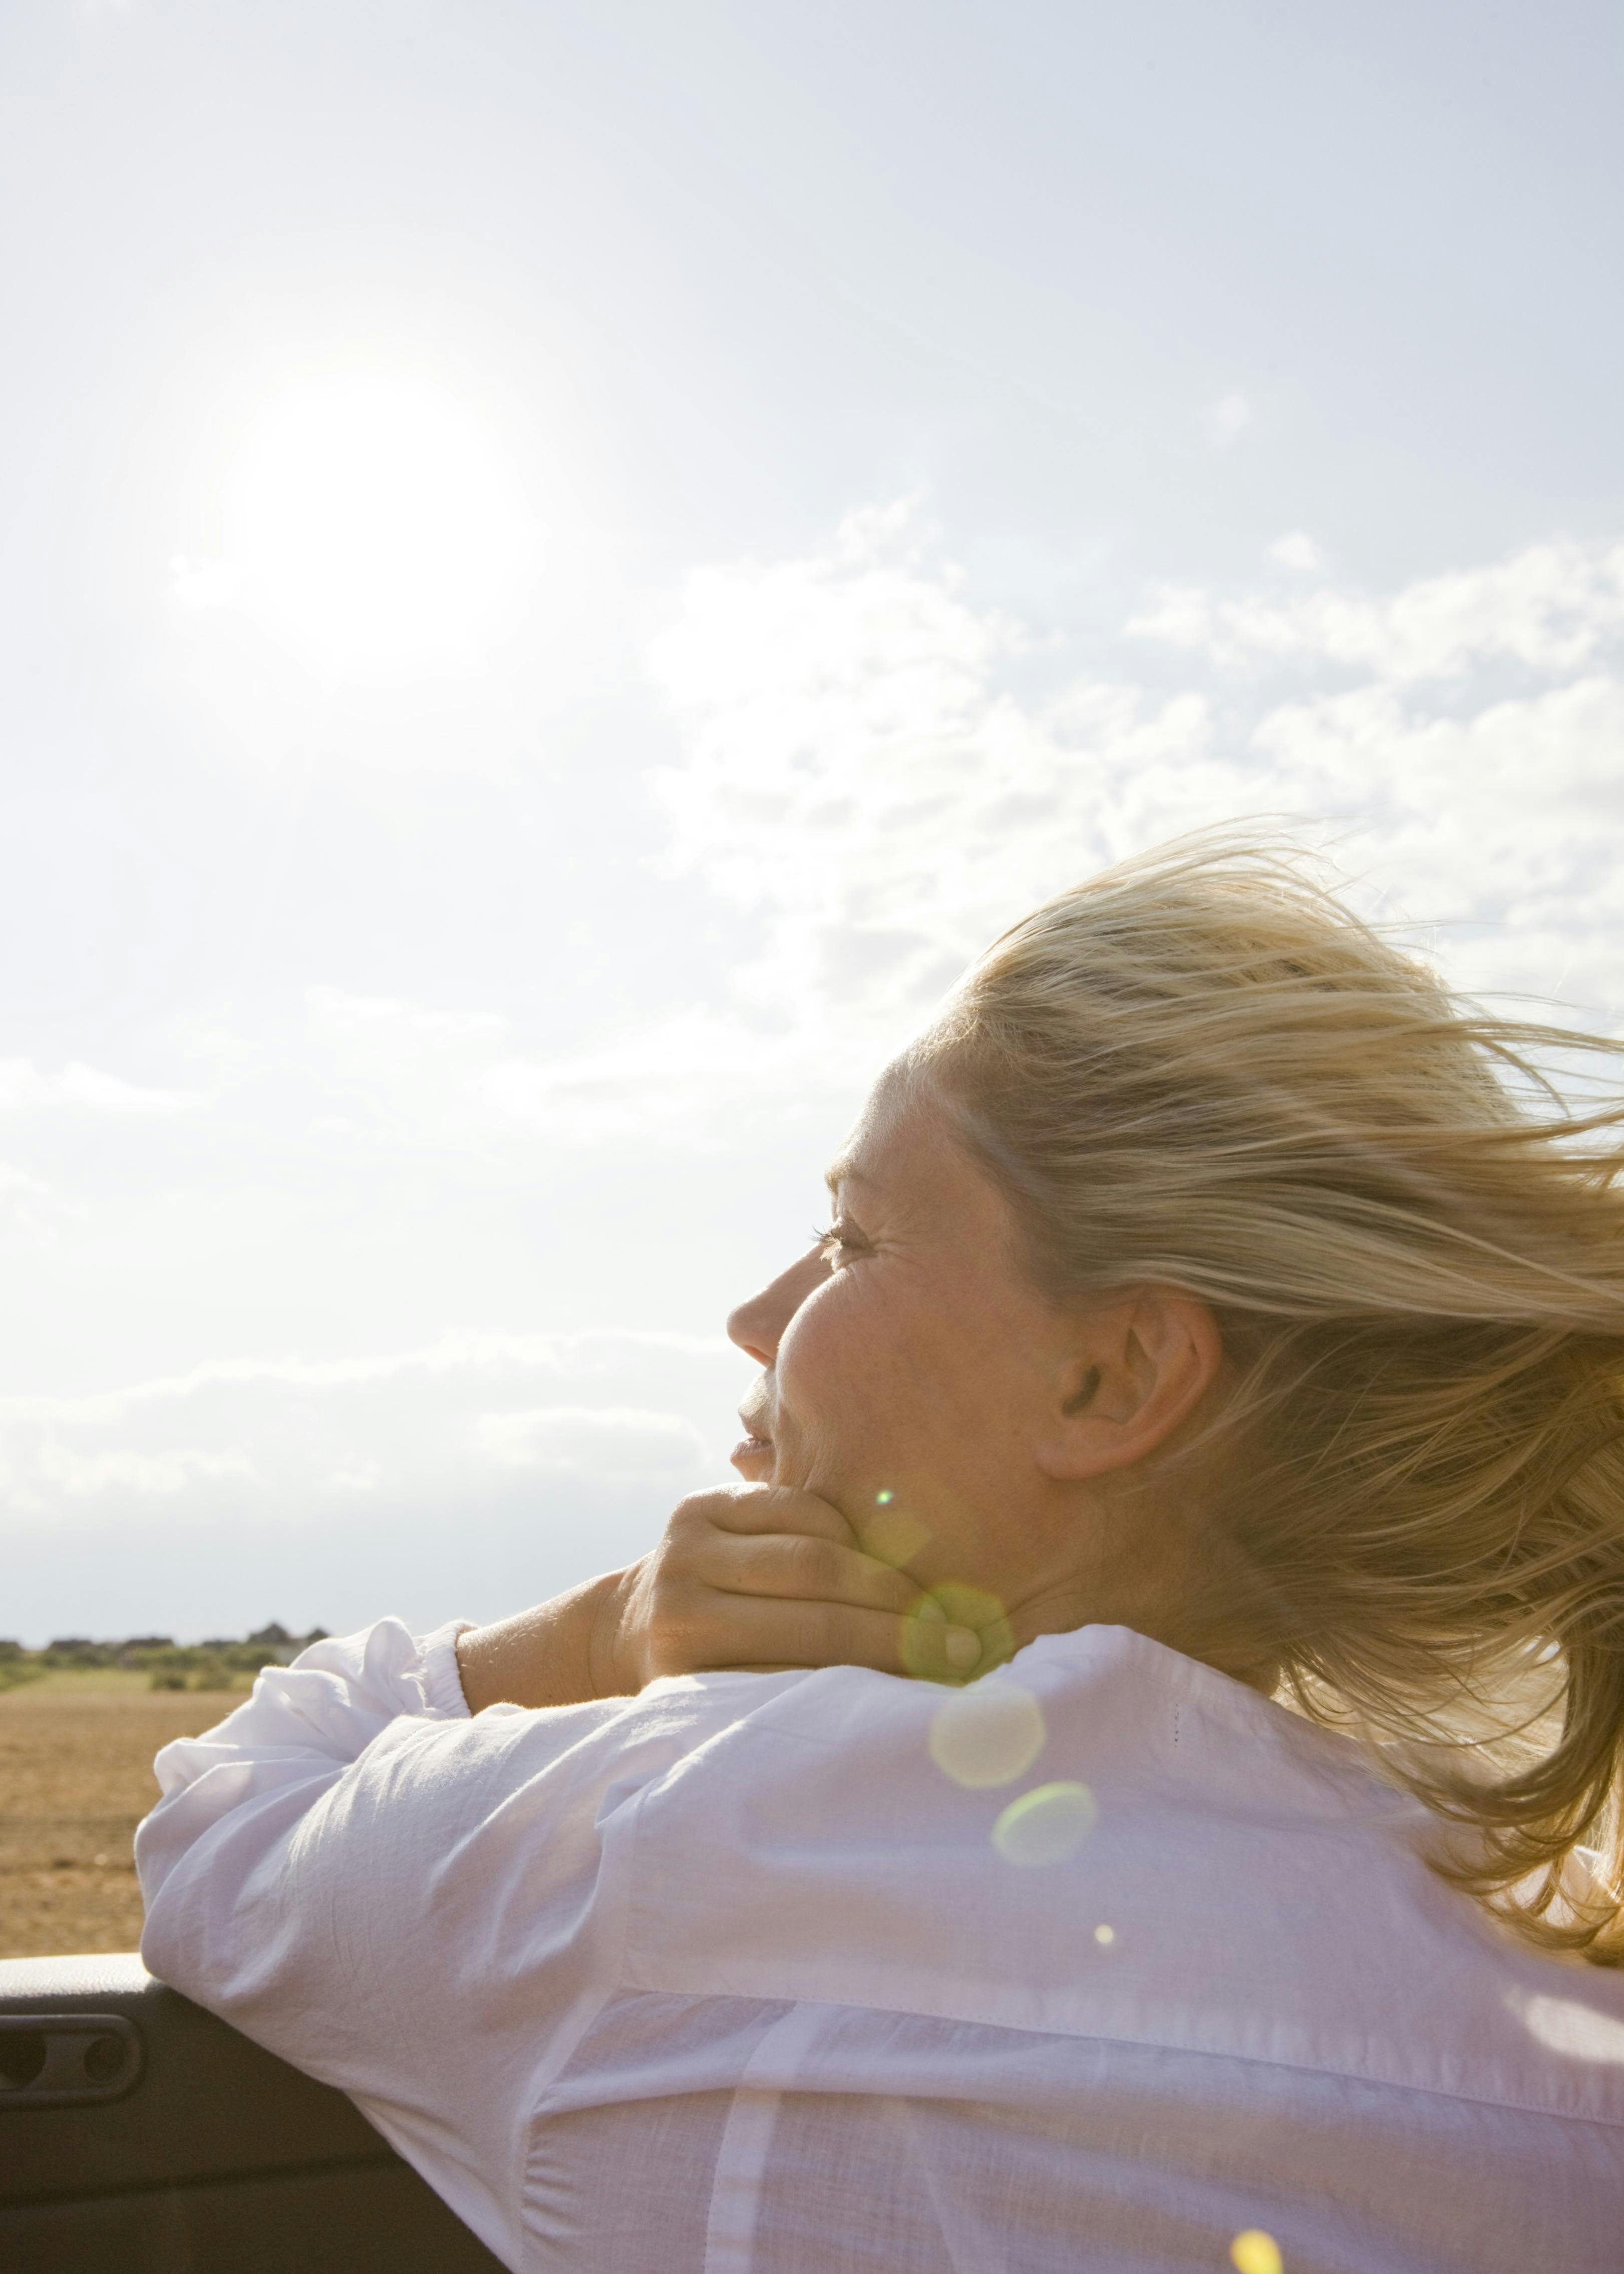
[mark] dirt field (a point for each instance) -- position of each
(76, 1778)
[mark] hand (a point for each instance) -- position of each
(757, 1576)
(766, 1577)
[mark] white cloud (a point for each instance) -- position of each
(592, 1355)
(1551, 608)
(31, 1208)
(1225, 421)
(880, 772)
(24, 1086)
(875, 768)
(145, 1474)
(17, 1186)
(384, 1017)
(698, 1078)
(356, 1476)
(609, 1440)
(1297, 552)
(857, 771)
(351, 1440)
(406, 1073)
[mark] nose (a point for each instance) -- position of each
(757, 1326)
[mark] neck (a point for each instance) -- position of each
(1125, 1559)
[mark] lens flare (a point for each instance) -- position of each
(892, 1537)
(1254, 2252)
(1569, 2028)
(1046, 1825)
(988, 1735)
(984, 1615)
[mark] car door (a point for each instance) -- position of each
(138, 2135)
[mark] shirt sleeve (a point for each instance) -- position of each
(419, 1907)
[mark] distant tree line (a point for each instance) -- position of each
(223, 1662)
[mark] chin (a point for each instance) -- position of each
(754, 1463)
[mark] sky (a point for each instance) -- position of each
(564, 567)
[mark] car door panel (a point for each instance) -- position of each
(139, 2134)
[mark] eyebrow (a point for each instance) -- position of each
(842, 1171)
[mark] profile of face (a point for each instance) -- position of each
(969, 1428)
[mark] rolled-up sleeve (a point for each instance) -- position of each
(415, 1905)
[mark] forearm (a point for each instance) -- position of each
(551, 1655)
(233, 1794)
(340, 1871)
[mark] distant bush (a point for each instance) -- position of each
(221, 1663)
(16, 1665)
(201, 1666)
(78, 1651)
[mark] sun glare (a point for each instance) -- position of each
(373, 522)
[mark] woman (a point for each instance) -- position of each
(1217, 1356)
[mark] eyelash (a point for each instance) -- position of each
(835, 1236)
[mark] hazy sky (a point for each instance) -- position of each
(564, 565)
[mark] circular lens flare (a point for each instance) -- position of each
(988, 1735)
(1046, 1825)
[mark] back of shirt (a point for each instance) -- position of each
(1104, 1961)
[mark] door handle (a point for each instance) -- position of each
(48, 2060)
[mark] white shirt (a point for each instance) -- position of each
(734, 1976)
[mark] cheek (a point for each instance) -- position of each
(838, 1362)
(814, 1354)
(870, 1369)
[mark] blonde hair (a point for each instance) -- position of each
(1202, 1070)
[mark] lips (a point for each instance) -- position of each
(752, 1456)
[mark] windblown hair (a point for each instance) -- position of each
(1202, 1070)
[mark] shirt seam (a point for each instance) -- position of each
(1107, 2038)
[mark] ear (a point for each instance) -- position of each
(1136, 1369)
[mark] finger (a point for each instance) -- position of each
(802, 1566)
(755, 1631)
(765, 1508)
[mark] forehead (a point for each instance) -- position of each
(882, 1129)
(903, 1145)
(907, 1179)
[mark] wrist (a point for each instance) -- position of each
(607, 1674)
(543, 1657)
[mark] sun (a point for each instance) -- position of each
(373, 522)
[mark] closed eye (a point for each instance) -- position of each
(841, 1240)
